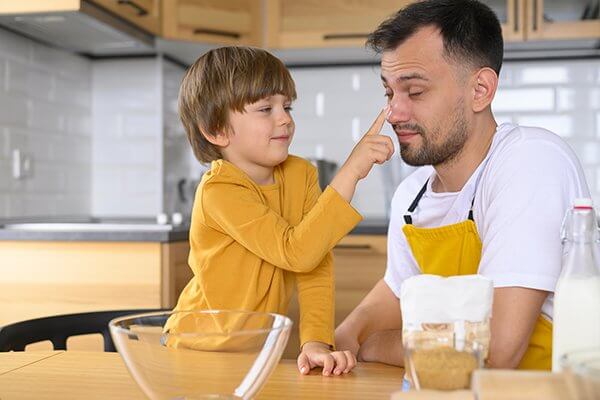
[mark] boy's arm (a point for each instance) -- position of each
(239, 212)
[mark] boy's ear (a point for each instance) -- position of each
(221, 139)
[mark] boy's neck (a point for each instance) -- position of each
(261, 175)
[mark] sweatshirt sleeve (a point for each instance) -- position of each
(316, 289)
(239, 212)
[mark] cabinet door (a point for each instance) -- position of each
(332, 23)
(511, 16)
(231, 22)
(360, 262)
(143, 13)
(560, 19)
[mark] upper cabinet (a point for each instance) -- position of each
(529, 20)
(510, 14)
(316, 23)
(145, 14)
(231, 22)
(560, 19)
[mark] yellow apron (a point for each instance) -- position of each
(456, 250)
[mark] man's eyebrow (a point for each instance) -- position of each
(407, 77)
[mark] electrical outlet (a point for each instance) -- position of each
(21, 165)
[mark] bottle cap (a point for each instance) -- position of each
(583, 203)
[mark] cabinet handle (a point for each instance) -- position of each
(141, 11)
(516, 14)
(535, 15)
(233, 35)
(353, 247)
(336, 36)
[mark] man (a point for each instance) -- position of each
(487, 199)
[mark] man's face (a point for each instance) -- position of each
(426, 98)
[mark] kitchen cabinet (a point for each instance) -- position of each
(145, 14)
(511, 16)
(559, 19)
(534, 20)
(41, 278)
(315, 24)
(232, 22)
(360, 262)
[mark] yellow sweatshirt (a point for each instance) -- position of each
(250, 244)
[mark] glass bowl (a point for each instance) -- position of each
(210, 354)
(582, 373)
(441, 363)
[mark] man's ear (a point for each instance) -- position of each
(485, 83)
(221, 139)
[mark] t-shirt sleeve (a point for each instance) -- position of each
(524, 201)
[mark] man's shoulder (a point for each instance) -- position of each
(528, 145)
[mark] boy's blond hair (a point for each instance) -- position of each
(225, 79)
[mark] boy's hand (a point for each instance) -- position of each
(317, 354)
(372, 148)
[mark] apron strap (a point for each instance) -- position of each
(415, 203)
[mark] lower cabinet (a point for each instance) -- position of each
(42, 278)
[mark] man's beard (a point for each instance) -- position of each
(431, 153)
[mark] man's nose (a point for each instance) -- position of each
(398, 111)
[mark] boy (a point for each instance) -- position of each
(260, 224)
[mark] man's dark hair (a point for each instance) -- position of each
(470, 30)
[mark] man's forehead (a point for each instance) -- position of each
(419, 54)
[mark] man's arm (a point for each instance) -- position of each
(514, 315)
(378, 311)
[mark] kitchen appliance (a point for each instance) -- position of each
(83, 27)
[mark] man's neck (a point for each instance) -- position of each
(452, 176)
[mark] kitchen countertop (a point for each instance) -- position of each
(369, 226)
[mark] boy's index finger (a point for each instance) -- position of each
(375, 129)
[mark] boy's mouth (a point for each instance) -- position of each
(281, 138)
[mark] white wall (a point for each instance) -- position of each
(335, 105)
(45, 111)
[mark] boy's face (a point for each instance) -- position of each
(260, 136)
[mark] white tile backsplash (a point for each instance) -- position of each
(44, 100)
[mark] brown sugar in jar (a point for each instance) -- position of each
(443, 368)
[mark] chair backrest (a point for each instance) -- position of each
(58, 328)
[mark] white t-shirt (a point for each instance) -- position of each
(522, 191)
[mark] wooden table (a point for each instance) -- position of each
(98, 375)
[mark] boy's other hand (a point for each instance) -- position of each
(317, 354)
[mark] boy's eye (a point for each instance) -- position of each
(265, 109)
(288, 108)
(388, 95)
(415, 93)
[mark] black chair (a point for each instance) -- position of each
(58, 328)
